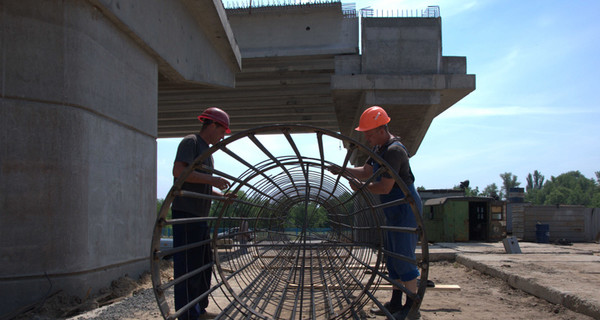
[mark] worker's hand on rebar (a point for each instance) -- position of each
(220, 183)
(229, 196)
(335, 169)
(355, 184)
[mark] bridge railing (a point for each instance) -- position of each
(348, 9)
(430, 12)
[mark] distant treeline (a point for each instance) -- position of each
(571, 188)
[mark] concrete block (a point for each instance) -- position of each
(294, 31)
(454, 65)
(401, 46)
(511, 245)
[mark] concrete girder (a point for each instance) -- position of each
(278, 90)
(292, 74)
(211, 57)
(412, 101)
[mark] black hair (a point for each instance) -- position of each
(207, 122)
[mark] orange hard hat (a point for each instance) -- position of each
(217, 115)
(372, 118)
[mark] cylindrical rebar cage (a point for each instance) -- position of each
(297, 242)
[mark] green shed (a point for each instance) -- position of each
(456, 219)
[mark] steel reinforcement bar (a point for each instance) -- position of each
(297, 242)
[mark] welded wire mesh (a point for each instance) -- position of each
(297, 242)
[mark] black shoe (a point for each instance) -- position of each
(430, 284)
(403, 314)
(389, 307)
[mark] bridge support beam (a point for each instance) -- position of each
(401, 69)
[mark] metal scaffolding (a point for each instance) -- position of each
(297, 242)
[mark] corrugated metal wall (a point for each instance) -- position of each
(573, 223)
(594, 225)
(518, 219)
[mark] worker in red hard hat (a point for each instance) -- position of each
(217, 115)
(373, 124)
(215, 124)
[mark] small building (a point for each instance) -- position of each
(440, 193)
(455, 219)
(569, 222)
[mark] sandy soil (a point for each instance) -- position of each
(480, 297)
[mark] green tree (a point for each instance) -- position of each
(570, 188)
(167, 230)
(535, 183)
(596, 198)
(508, 181)
(159, 204)
(469, 192)
(491, 191)
(309, 215)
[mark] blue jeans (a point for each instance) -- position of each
(401, 242)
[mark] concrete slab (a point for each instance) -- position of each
(564, 275)
(526, 248)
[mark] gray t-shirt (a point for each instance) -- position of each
(189, 149)
(396, 155)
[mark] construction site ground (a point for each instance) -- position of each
(545, 281)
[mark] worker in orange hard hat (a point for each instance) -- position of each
(374, 125)
(215, 124)
(372, 118)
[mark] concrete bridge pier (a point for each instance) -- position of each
(78, 142)
(78, 128)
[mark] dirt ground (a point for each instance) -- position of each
(480, 297)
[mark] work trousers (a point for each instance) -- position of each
(190, 260)
(400, 242)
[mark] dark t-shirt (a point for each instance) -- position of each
(396, 155)
(189, 149)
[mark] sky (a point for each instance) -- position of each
(535, 106)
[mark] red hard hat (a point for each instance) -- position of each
(217, 115)
(372, 118)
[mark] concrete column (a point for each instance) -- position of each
(78, 114)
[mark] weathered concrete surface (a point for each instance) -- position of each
(401, 46)
(301, 64)
(294, 31)
(78, 151)
(564, 275)
(401, 68)
(78, 115)
(191, 40)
